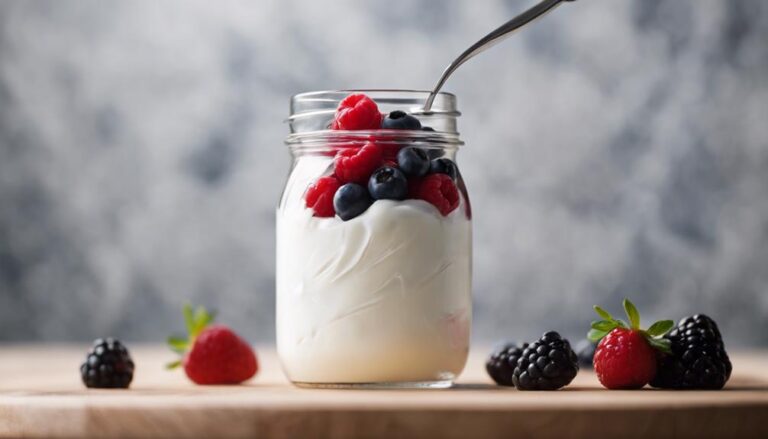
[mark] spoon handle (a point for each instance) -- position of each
(490, 40)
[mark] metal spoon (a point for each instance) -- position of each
(491, 39)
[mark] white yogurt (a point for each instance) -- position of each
(383, 297)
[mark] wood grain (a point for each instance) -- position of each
(41, 396)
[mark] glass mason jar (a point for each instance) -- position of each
(382, 299)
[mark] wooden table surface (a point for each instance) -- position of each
(41, 396)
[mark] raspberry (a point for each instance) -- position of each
(389, 163)
(625, 357)
(355, 165)
(624, 360)
(413, 187)
(390, 149)
(212, 354)
(438, 190)
(357, 112)
(319, 196)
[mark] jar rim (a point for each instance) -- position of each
(310, 112)
(370, 90)
(346, 138)
(444, 104)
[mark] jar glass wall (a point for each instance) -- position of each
(382, 298)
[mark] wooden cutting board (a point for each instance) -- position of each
(41, 396)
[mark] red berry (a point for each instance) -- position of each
(389, 163)
(439, 190)
(624, 360)
(413, 187)
(319, 196)
(219, 356)
(391, 149)
(355, 165)
(357, 112)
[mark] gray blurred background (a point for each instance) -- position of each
(616, 148)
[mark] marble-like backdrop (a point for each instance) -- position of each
(617, 148)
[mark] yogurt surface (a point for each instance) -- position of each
(383, 297)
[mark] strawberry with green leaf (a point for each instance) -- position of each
(625, 357)
(212, 354)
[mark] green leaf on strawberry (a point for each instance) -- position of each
(596, 334)
(632, 314)
(661, 344)
(178, 344)
(603, 313)
(660, 328)
(196, 320)
(173, 365)
(603, 325)
(601, 328)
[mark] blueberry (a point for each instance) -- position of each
(444, 166)
(351, 200)
(413, 161)
(435, 153)
(400, 120)
(388, 183)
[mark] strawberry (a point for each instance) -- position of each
(625, 357)
(217, 354)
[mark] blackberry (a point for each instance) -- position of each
(698, 359)
(107, 366)
(502, 362)
(585, 350)
(546, 364)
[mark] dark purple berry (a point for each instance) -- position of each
(413, 161)
(388, 183)
(351, 200)
(444, 166)
(107, 366)
(400, 120)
